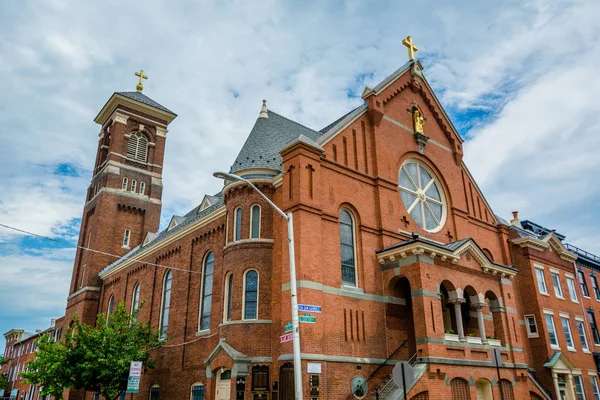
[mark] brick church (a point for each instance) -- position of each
(396, 248)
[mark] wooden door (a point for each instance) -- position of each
(286, 382)
(223, 385)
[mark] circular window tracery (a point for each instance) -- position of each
(422, 195)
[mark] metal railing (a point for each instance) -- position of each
(378, 368)
(411, 361)
(582, 252)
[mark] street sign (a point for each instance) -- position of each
(305, 307)
(1, 393)
(133, 384)
(14, 393)
(135, 373)
(286, 338)
(403, 375)
(288, 327)
(135, 368)
(307, 318)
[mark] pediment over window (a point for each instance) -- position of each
(390, 257)
(175, 220)
(149, 237)
(208, 201)
(541, 244)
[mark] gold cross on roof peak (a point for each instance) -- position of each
(139, 87)
(411, 47)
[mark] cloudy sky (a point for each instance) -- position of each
(518, 78)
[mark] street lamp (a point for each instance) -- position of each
(293, 289)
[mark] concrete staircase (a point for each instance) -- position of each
(391, 392)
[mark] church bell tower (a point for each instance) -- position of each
(123, 200)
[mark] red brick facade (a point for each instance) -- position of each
(445, 297)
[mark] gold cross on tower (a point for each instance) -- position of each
(139, 87)
(411, 47)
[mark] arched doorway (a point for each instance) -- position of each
(448, 312)
(404, 316)
(483, 389)
(286, 382)
(223, 385)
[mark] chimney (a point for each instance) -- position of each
(52, 323)
(516, 221)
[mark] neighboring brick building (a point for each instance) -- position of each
(394, 241)
(20, 348)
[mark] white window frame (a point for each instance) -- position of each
(244, 295)
(252, 220)
(135, 298)
(595, 389)
(162, 305)
(197, 384)
(585, 344)
(133, 185)
(595, 287)
(143, 188)
(568, 332)
(126, 238)
(227, 297)
(124, 184)
(527, 325)
(578, 378)
(203, 277)
(541, 282)
(235, 223)
(584, 284)
(557, 287)
(552, 324)
(572, 288)
(354, 248)
(110, 308)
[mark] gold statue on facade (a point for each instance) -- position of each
(418, 120)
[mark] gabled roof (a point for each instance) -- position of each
(175, 220)
(153, 239)
(452, 252)
(267, 138)
(332, 129)
(542, 241)
(560, 359)
(137, 101)
(233, 353)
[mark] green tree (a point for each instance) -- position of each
(49, 369)
(97, 358)
(3, 377)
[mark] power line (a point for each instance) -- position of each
(71, 245)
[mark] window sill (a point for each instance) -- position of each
(533, 335)
(203, 333)
(554, 347)
(572, 349)
(126, 247)
(586, 351)
(560, 297)
(545, 294)
(587, 297)
(246, 321)
(575, 301)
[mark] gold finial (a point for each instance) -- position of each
(139, 87)
(411, 47)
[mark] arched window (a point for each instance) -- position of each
(228, 297)
(135, 301)
(207, 286)
(255, 222)
(133, 185)
(251, 295)
(111, 306)
(142, 188)
(124, 184)
(126, 237)
(507, 389)
(460, 389)
(137, 147)
(155, 392)
(237, 229)
(347, 248)
(166, 304)
(197, 391)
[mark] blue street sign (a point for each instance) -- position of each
(305, 307)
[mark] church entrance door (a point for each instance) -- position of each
(223, 385)
(286, 382)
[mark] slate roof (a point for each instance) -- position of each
(142, 98)
(448, 246)
(194, 215)
(267, 138)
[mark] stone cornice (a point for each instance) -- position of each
(117, 100)
(544, 243)
(434, 251)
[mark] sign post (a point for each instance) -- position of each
(135, 374)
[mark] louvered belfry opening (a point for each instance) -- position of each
(137, 147)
